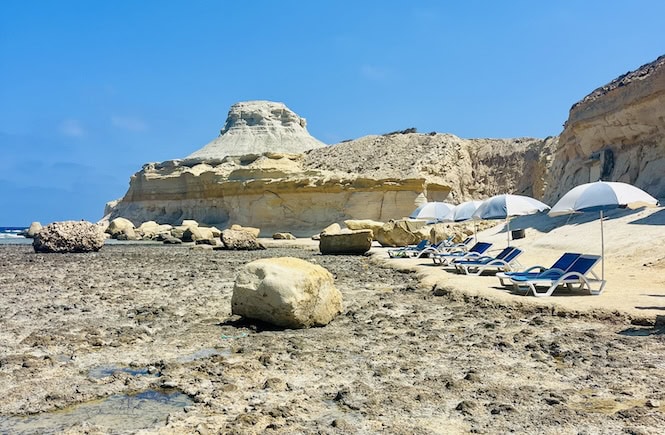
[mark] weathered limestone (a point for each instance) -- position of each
(333, 228)
(363, 224)
(375, 178)
(402, 233)
(287, 292)
(150, 230)
(253, 231)
(616, 133)
(69, 237)
(346, 242)
(257, 127)
(240, 240)
(34, 228)
(283, 236)
(122, 228)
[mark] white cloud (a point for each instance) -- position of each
(72, 128)
(129, 123)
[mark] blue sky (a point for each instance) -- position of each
(92, 90)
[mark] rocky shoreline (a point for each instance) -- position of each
(398, 359)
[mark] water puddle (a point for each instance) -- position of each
(115, 414)
(106, 371)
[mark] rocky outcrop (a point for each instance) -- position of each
(257, 127)
(69, 237)
(287, 292)
(349, 242)
(378, 178)
(616, 133)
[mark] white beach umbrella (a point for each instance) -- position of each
(599, 197)
(433, 211)
(463, 212)
(506, 206)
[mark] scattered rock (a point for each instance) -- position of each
(400, 233)
(253, 231)
(364, 224)
(332, 229)
(69, 236)
(122, 229)
(283, 236)
(34, 228)
(240, 240)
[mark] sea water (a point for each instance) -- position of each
(11, 236)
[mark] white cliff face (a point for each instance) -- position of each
(616, 133)
(257, 127)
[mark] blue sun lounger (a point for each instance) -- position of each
(575, 278)
(476, 251)
(504, 261)
(407, 251)
(561, 265)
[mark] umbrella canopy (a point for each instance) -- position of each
(465, 210)
(598, 197)
(432, 211)
(505, 206)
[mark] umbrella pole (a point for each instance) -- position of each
(602, 247)
(508, 229)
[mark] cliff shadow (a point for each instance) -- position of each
(657, 218)
(544, 223)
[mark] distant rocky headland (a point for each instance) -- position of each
(265, 170)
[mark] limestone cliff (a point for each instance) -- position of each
(616, 133)
(374, 177)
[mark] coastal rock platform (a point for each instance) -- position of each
(398, 358)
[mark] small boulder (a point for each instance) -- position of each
(189, 223)
(400, 233)
(69, 236)
(363, 224)
(150, 230)
(120, 226)
(34, 228)
(287, 292)
(240, 240)
(283, 236)
(346, 242)
(193, 234)
(253, 231)
(332, 229)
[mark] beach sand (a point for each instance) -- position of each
(79, 328)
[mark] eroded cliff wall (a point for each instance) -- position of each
(616, 133)
(375, 177)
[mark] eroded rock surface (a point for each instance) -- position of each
(616, 133)
(69, 237)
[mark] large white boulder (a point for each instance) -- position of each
(287, 292)
(69, 236)
(121, 228)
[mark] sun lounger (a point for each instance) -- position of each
(476, 251)
(573, 278)
(504, 261)
(561, 265)
(404, 251)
